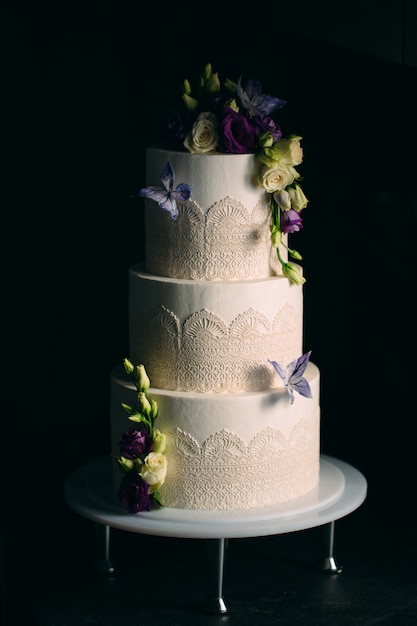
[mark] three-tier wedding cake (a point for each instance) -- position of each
(217, 404)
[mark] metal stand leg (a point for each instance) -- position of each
(216, 549)
(103, 563)
(328, 564)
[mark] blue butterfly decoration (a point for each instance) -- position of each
(167, 196)
(293, 378)
(256, 102)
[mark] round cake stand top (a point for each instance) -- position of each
(342, 489)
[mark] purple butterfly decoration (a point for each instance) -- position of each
(167, 197)
(256, 102)
(293, 378)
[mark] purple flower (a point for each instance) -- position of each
(135, 443)
(133, 493)
(256, 102)
(239, 135)
(291, 221)
(265, 125)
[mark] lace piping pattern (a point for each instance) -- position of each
(204, 354)
(227, 242)
(226, 473)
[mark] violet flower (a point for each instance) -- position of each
(133, 493)
(135, 443)
(291, 221)
(267, 125)
(239, 136)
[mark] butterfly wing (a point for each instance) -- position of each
(167, 177)
(162, 197)
(255, 101)
(282, 374)
(293, 378)
(280, 371)
(170, 205)
(296, 380)
(181, 192)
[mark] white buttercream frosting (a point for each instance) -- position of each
(231, 451)
(207, 311)
(213, 336)
(223, 231)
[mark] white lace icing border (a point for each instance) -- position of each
(204, 354)
(225, 473)
(227, 242)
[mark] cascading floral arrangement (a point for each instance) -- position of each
(236, 118)
(142, 459)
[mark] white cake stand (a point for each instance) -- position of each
(341, 490)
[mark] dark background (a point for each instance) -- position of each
(85, 86)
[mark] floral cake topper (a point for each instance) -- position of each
(142, 459)
(236, 118)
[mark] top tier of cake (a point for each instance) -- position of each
(223, 231)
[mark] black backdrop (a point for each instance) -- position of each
(85, 90)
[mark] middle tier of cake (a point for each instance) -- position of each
(214, 335)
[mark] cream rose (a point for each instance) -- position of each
(203, 136)
(288, 151)
(275, 178)
(154, 470)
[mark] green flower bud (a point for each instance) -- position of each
(207, 72)
(159, 441)
(213, 84)
(276, 236)
(190, 102)
(129, 367)
(230, 85)
(136, 417)
(209, 82)
(125, 464)
(283, 199)
(187, 87)
(266, 140)
(295, 255)
(293, 274)
(154, 409)
(298, 199)
(144, 404)
(143, 382)
(232, 104)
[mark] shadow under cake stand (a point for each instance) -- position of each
(341, 490)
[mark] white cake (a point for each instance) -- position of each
(209, 311)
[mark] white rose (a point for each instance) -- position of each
(288, 151)
(203, 136)
(154, 470)
(275, 178)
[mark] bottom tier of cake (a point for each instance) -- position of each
(230, 451)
